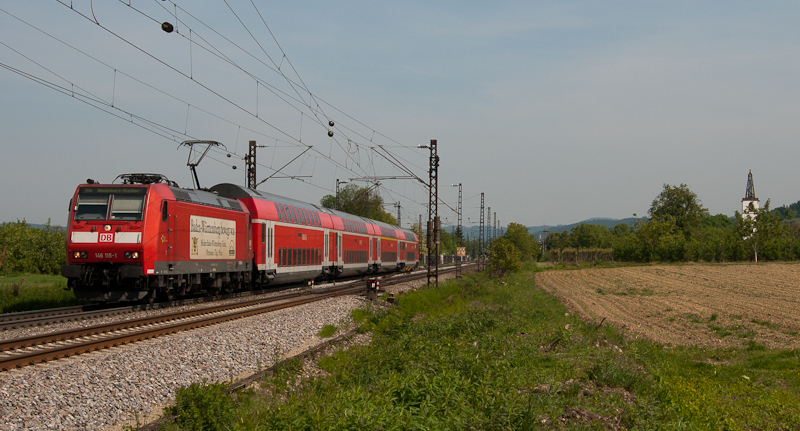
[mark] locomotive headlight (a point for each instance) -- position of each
(131, 255)
(76, 255)
(107, 227)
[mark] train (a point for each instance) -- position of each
(143, 238)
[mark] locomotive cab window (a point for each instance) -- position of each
(125, 203)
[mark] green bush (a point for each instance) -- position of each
(504, 257)
(203, 407)
(28, 250)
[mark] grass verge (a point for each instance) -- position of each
(34, 292)
(482, 354)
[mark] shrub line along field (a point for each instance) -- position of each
(737, 305)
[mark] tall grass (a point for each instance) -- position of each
(34, 292)
(479, 354)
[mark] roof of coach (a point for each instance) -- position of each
(234, 191)
(238, 192)
(205, 198)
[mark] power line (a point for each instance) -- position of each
(173, 134)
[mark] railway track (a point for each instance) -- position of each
(85, 312)
(21, 352)
(25, 351)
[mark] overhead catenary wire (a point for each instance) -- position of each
(161, 91)
(314, 105)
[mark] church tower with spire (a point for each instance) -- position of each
(749, 198)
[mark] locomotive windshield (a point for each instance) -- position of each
(110, 203)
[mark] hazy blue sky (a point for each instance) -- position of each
(558, 111)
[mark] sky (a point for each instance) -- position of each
(557, 111)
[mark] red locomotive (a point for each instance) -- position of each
(148, 238)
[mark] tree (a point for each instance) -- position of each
(763, 230)
(360, 201)
(681, 206)
(662, 239)
(719, 220)
(29, 250)
(558, 240)
(590, 235)
(504, 257)
(523, 240)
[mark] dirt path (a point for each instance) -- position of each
(705, 305)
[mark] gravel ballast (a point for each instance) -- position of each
(106, 388)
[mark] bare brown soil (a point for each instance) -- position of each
(702, 305)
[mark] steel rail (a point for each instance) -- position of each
(21, 316)
(114, 340)
(71, 334)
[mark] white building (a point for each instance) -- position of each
(750, 202)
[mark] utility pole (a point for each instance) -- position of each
(419, 226)
(480, 237)
(250, 163)
(544, 236)
(489, 227)
(496, 226)
(434, 224)
(399, 223)
(460, 234)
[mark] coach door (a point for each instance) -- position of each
(338, 248)
(168, 216)
(325, 250)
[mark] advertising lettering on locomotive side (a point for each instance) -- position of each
(212, 238)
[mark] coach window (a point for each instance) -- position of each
(305, 217)
(295, 217)
(263, 233)
(164, 211)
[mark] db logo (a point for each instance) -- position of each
(106, 237)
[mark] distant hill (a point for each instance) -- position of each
(600, 221)
(537, 230)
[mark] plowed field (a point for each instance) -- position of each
(705, 305)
